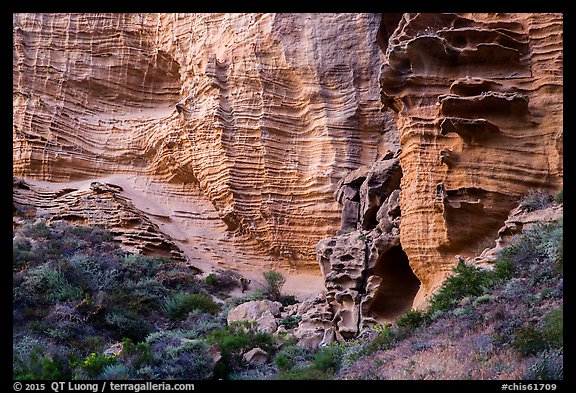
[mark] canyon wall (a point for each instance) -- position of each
(479, 104)
(267, 116)
(263, 113)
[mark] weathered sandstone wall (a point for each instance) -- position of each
(264, 112)
(479, 104)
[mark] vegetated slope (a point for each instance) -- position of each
(500, 324)
(84, 308)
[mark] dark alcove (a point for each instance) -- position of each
(398, 288)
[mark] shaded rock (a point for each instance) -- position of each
(214, 352)
(263, 312)
(115, 349)
(382, 178)
(255, 356)
(316, 327)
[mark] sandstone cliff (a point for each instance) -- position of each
(479, 104)
(247, 124)
(262, 113)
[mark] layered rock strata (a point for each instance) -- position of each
(265, 113)
(479, 105)
(520, 219)
(101, 205)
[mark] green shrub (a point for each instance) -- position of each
(327, 359)
(503, 269)
(22, 253)
(536, 200)
(282, 362)
(127, 323)
(137, 355)
(93, 364)
(211, 279)
(189, 359)
(45, 282)
(553, 328)
(233, 341)
(412, 320)
(40, 367)
(273, 286)
(305, 373)
(468, 281)
(291, 321)
(36, 231)
(292, 354)
(181, 304)
(559, 198)
(288, 300)
(529, 341)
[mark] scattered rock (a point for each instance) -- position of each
(255, 356)
(214, 352)
(115, 349)
(263, 312)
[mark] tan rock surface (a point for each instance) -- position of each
(262, 312)
(258, 114)
(228, 134)
(479, 104)
(255, 356)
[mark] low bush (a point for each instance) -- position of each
(291, 355)
(234, 340)
(178, 306)
(291, 321)
(282, 362)
(553, 328)
(559, 198)
(305, 373)
(549, 365)
(412, 320)
(327, 359)
(116, 372)
(35, 365)
(211, 279)
(468, 281)
(529, 341)
(127, 323)
(183, 359)
(274, 283)
(536, 200)
(94, 364)
(288, 300)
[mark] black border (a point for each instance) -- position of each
(469, 6)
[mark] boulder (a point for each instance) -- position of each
(263, 312)
(316, 327)
(255, 356)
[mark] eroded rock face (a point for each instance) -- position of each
(265, 113)
(479, 104)
(101, 204)
(519, 220)
(367, 275)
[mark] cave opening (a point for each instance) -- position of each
(398, 288)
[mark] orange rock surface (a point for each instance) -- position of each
(229, 133)
(259, 114)
(479, 104)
